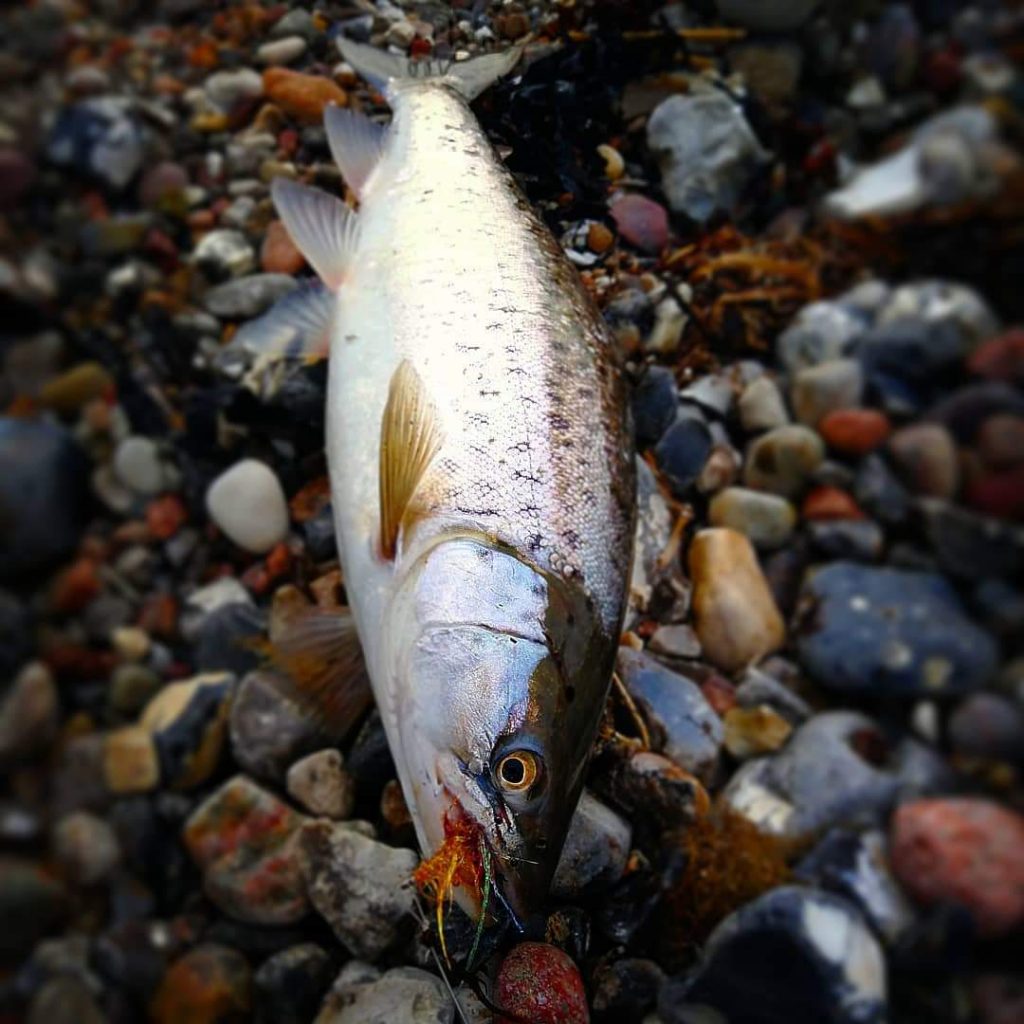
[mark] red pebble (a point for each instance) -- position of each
(541, 984)
(855, 431)
(165, 516)
(963, 851)
(278, 254)
(830, 503)
(719, 693)
(999, 494)
(641, 222)
(1000, 358)
(76, 586)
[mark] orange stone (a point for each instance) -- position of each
(599, 237)
(855, 431)
(76, 586)
(278, 254)
(830, 503)
(302, 96)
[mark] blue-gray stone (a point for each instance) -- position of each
(682, 452)
(879, 492)
(886, 632)
(44, 496)
(690, 730)
(860, 540)
(655, 402)
(793, 954)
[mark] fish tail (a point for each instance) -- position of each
(390, 73)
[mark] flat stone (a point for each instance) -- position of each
(321, 784)
(761, 406)
(686, 727)
(269, 732)
(827, 387)
(243, 839)
(786, 934)
(405, 994)
(361, 887)
(964, 851)
(707, 151)
(888, 632)
(783, 460)
(767, 520)
(595, 852)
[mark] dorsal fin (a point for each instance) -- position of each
(323, 228)
(389, 73)
(357, 144)
(410, 436)
(318, 650)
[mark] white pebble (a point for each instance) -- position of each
(248, 504)
(137, 465)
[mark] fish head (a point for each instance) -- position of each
(495, 743)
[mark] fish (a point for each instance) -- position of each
(481, 469)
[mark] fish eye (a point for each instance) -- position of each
(518, 771)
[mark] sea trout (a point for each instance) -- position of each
(481, 470)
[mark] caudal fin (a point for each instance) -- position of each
(388, 72)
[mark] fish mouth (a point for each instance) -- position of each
(502, 882)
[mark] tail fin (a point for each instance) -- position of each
(387, 72)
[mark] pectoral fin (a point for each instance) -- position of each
(323, 228)
(318, 650)
(410, 438)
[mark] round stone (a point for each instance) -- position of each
(783, 460)
(137, 465)
(766, 519)
(248, 504)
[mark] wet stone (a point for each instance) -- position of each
(269, 732)
(541, 984)
(834, 769)
(242, 837)
(86, 847)
(766, 519)
(289, 986)
(100, 136)
(962, 851)
(361, 887)
(29, 713)
(972, 546)
(810, 954)
(32, 904)
(735, 613)
(223, 254)
(988, 726)
(827, 387)
(188, 723)
(821, 332)
(879, 493)
(595, 851)
(688, 730)
(855, 865)
(210, 984)
(707, 152)
(248, 504)
(43, 496)
(321, 784)
(888, 632)
(247, 296)
(405, 994)
(64, 1000)
(858, 540)
(682, 452)
(625, 989)
(761, 406)
(783, 460)
(227, 636)
(655, 402)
